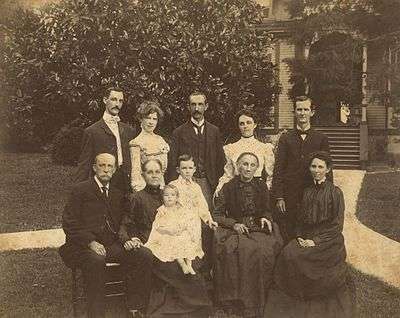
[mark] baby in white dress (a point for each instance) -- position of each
(176, 230)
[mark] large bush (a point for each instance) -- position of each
(59, 60)
(66, 144)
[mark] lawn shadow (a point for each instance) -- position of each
(378, 205)
(35, 283)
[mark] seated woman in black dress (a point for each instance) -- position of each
(246, 242)
(310, 273)
(174, 294)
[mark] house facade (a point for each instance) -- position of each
(369, 136)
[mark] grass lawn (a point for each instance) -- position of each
(35, 283)
(378, 204)
(33, 192)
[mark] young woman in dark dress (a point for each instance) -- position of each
(310, 273)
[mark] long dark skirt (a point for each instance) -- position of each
(311, 272)
(176, 294)
(311, 282)
(338, 304)
(243, 268)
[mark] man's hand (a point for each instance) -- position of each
(281, 205)
(305, 243)
(133, 243)
(212, 224)
(309, 243)
(241, 228)
(267, 222)
(97, 248)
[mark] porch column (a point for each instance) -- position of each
(364, 103)
(306, 55)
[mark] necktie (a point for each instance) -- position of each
(198, 129)
(105, 193)
(107, 217)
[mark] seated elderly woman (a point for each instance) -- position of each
(247, 241)
(310, 273)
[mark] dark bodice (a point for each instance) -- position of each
(322, 212)
(138, 222)
(238, 201)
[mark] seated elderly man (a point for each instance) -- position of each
(91, 222)
(247, 241)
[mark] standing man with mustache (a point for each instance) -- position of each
(108, 135)
(202, 141)
(291, 174)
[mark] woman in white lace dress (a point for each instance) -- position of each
(247, 123)
(147, 145)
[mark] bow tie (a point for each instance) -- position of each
(303, 132)
(197, 126)
(112, 119)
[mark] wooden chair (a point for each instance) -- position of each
(115, 286)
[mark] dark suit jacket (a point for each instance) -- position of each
(85, 213)
(291, 172)
(228, 211)
(98, 138)
(183, 140)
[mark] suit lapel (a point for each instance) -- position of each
(190, 131)
(106, 128)
(99, 194)
(121, 131)
(207, 136)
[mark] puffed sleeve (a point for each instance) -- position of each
(269, 162)
(164, 149)
(137, 181)
(229, 168)
(280, 167)
(173, 154)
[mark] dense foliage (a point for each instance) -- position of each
(57, 61)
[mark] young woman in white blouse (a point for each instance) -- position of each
(247, 122)
(147, 145)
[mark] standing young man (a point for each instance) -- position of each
(291, 174)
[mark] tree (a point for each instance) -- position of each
(153, 49)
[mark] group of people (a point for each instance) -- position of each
(265, 227)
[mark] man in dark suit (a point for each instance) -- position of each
(108, 135)
(201, 140)
(291, 173)
(91, 222)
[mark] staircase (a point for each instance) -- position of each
(344, 144)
